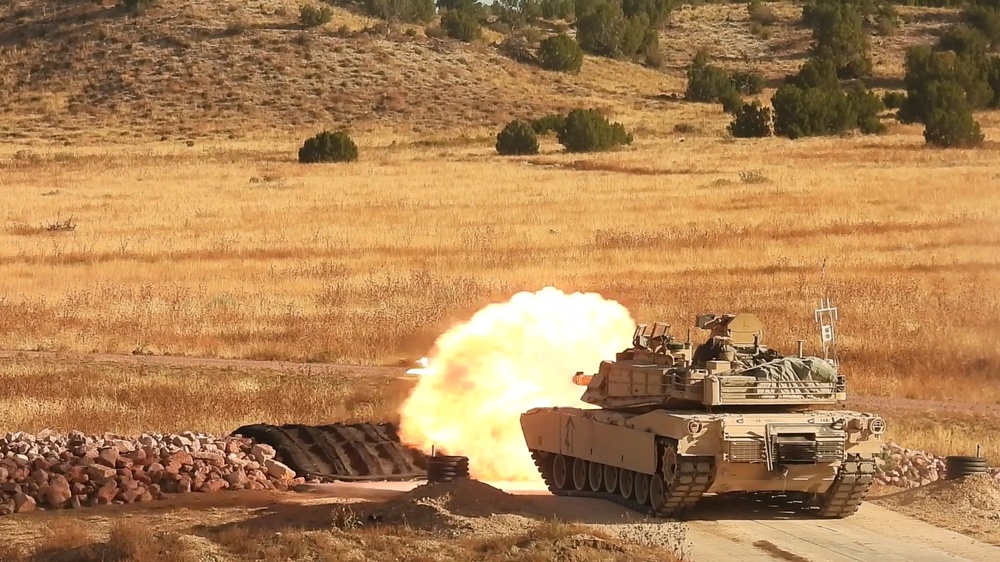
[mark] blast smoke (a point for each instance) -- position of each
(510, 357)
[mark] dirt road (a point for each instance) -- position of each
(870, 403)
(874, 533)
(742, 529)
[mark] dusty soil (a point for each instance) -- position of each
(465, 520)
(970, 507)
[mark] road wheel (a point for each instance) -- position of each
(579, 474)
(657, 492)
(595, 476)
(642, 488)
(610, 479)
(559, 472)
(625, 480)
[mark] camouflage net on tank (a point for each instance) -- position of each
(794, 377)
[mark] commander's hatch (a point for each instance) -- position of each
(744, 328)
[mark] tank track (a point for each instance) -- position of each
(849, 488)
(686, 486)
(349, 452)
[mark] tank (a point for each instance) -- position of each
(674, 422)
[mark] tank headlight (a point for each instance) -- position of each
(694, 426)
(876, 426)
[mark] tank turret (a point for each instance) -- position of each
(732, 367)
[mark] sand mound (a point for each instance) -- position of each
(465, 496)
(970, 506)
(974, 493)
(463, 504)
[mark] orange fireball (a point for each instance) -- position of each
(509, 357)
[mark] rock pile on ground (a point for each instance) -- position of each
(909, 468)
(54, 471)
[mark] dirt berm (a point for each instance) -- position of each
(507, 526)
(970, 506)
(463, 504)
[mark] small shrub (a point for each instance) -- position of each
(748, 83)
(654, 57)
(517, 138)
(926, 67)
(894, 100)
(435, 32)
(586, 130)
(807, 112)
(866, 106)
(561, 53)
(328, 147)
(751, 177)
(462, 25)
(396, 11)
(761, 14)
(984, 15)
(311, 16)
(813, 102)
(886, 20)
(952, 128)
(685, 128)
(758, 29)
(603, 30)
(731, 101)
(557, 9)
(751, 121)
(706, 83)
(838, 33)
(949, 123)
(548, 124)
(136, 7)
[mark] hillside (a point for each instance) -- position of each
(196, 68)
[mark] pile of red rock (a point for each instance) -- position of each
(51, 470)
(910, 468)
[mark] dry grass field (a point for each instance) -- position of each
(239, 251)
(224, 246)
(131, 399)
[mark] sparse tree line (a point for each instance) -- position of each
(944, 82)
(625, 29)
(580, 130)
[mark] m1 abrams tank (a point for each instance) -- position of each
(730, 416)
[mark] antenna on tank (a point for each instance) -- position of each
(826, 316)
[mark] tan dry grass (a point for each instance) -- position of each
(181, 251)
(946, 433)
(131, 399)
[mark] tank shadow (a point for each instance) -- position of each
(736, 507)
(725, 508)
